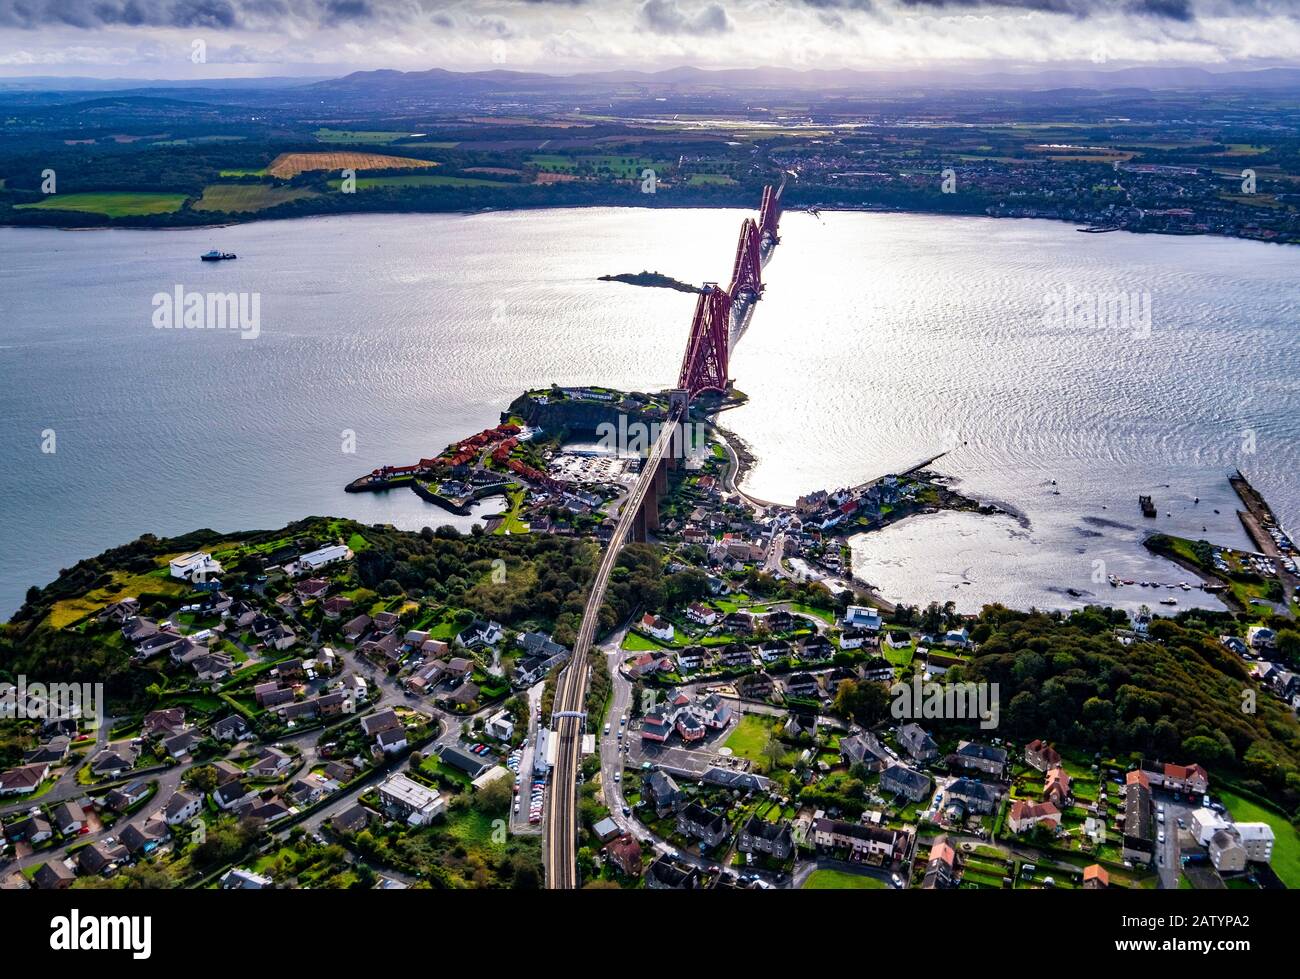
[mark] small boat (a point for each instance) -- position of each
(1168, 601)
(216, 256)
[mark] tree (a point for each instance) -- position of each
(201, 778)
(773, 750)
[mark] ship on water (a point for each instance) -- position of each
(216, 256)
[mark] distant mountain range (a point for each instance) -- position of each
(441, 83)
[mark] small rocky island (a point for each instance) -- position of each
(654, 280)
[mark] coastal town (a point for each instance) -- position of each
(338, 705)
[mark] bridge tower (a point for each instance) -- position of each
(747, 271)
(704, 366)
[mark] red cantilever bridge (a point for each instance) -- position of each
(720, 317)
(704, 366)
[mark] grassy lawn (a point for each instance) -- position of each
(235, 198)
(1286, 848)
(512, 524)
(749, 737)
(636, 643)
(818, 613)
(113, 204)
(841, 880)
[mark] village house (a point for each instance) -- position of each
(869, 844)
(701, 614)
(664, 874)
(974, 796)
(913, 739)
(50, 753)
(801, 685)
(181, 808)
(755, 686)
(271, 694)
(122, 799)
(906, 782)
(480, 634)
(865, 749)
(54, 875)
(68, 818)
(1095, 878)
(980, 757)
(1025, 815)
(696, 822)
(1056, 787)
(112, 762)
(1177, 778)
(356, 628)
(1139, 833)
(941, 869)
(658, 627)
(758, 835)
(231, 795)
(664, 794)
(324, 557)
(270, 763)
(408, 800)
(625, 854)
(24, 779)
(1041, 755)
(143, 839)
(862, 617)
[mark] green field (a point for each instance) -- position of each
(358, 136)
(233, 198)
(1286, 847)
(419, 180)
(112, 203)
(841, 880)
(244, 173)
(627, 167)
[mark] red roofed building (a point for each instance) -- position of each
(625, 854)
(1095, 878)
(1041, 755)
(1057, 786)
(1026, 815)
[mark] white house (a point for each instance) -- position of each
(861, 617)
(701, 613)
(658, 627)
(409, 800)
(182, 808)
(324, 556)
(501, 726)
(186, 566)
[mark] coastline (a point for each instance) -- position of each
(256, 217)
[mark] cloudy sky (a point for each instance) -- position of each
(156, 38)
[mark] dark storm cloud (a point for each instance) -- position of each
(666, 17)
(210, 14)
(1181, 10)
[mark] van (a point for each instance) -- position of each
(607, 728)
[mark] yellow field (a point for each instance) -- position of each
(287, 165)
